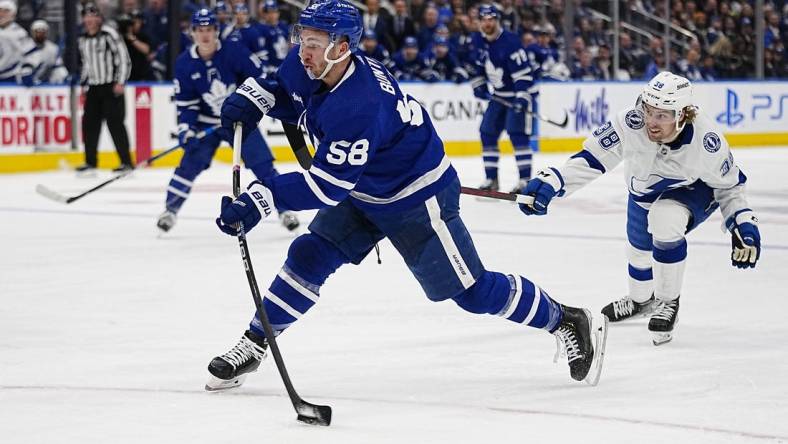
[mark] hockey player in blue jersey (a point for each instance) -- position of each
(441, 64)
(246, 32)
(406, 62)
(679, 170)
(379, 171)
(371, 47)
(505, 74)
(205, 75)
(275, 36)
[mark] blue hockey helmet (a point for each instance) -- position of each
(488, 10)
(221, 7)
(440, 40)
(204, 17)
(336, 17)
(270, 5)
(241, 8)
(410, 42)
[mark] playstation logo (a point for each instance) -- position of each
(731, 116)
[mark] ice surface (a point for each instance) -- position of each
(106, 329)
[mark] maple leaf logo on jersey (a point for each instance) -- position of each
(216, 95)
(494, 75)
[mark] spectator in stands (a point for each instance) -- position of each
(689, 65)
(137, 44)
(402, 24)
(628, 54)
(427, 31)
(604, 62)
(707, 70)
(584, 68)
(417, 9)
(510, 21)
(378, 20)
(772, 32)
(156, 22)
(597, 36)
(656, 65)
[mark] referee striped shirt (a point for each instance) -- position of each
(105, 59)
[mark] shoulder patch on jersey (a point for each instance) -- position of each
(634, 119)
(712, 142)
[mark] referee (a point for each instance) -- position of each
(105, 68)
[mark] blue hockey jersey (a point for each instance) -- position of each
(407, 69)
(249, 35)
(374, 144)
(504, 64)
(202, 85)
(275, 42)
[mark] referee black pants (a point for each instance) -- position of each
(102, 104)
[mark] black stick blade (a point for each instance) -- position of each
(314, 414)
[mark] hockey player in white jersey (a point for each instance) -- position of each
(14, 42)
(679, 170)
(42, 64)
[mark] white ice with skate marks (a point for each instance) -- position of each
(106, 331)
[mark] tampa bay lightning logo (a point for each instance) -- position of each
(634, 119)
(712, 143)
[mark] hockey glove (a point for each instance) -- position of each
(252, 205)
(481, 92)
(543, 188)
(745, 239)
(248, 104)
(187, 136)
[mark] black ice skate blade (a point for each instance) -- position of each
(314, 414)
(600, 336)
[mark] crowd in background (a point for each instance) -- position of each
(412, 36)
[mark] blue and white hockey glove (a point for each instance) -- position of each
(543, 188)
(248, 104)
(745, 239)
(254, 204)
(481, 92)
(187, 136)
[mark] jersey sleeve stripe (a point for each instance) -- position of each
(593, 162)
(315, 188)
(425, 180)
(315, 171)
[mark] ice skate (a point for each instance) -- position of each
(166, 221)
(663, 321)
(518, 189)
(626, 308)
(289, 220)
(489, 185)
(230, 369)
(583, 346)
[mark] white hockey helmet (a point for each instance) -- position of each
(668, 91)
(39, 25)
(8, 5)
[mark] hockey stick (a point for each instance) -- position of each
(307, 413)
(542, 117)
(57, 197)
(298, 145)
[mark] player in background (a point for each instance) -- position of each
(679, 170)
(371, 47)
(441, 64)
(504, 73)
(14, 42)
(205, 75)
(275, 35)
(246, 31)
(42, 63)
(407, 65)
(379, 171)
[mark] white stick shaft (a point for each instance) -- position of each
(237, 141)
